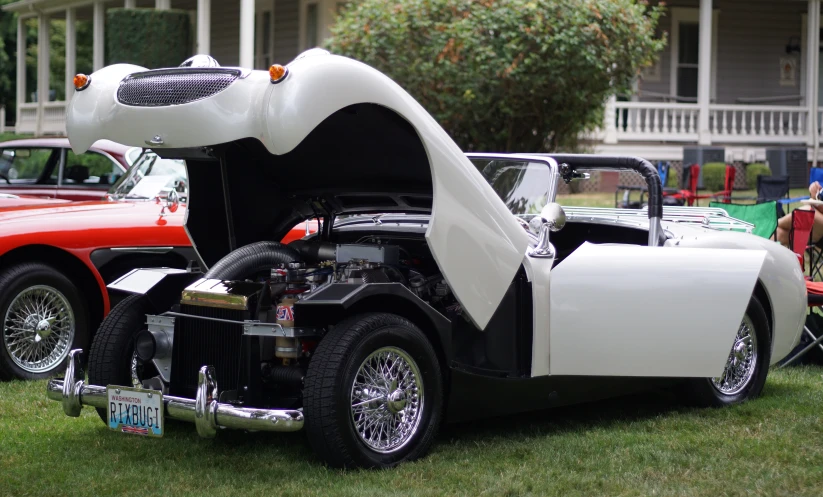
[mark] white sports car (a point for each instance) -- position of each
(441, 286)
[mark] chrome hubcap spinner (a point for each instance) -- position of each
(38, 329)
(742, 361)
(387, 400)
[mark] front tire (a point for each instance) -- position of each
(746, 368)
(112, 360)
(373, 393)
(44, 317)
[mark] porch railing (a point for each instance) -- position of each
(664, 121)
(745, 123)
(52, 121)
(678, 122)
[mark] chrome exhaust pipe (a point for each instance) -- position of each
(204, 411)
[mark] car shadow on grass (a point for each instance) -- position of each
(601, 413)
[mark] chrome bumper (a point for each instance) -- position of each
(204, 411)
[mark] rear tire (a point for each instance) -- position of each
(112, 350)
(747, 366)
(373, 393)
(44, 317)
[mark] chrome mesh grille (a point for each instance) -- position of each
(173, 87)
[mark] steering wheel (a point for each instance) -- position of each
(3, 176)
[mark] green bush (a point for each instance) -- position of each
(714, 176)
(508, 75)
(672, 179)
(147, 37)
(755, 170)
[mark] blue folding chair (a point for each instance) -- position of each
(663, 171)
(816, 174)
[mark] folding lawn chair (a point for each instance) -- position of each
(816, 174)
(800, 239)
(688, 193)
(762, 216)
(728, 186)
(663, 168)
(815, 250)
(800, 234)
(809, 341)
(775, 188)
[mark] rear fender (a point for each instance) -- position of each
(628, 310)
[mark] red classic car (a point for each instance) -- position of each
(47, 167)
(56, 259)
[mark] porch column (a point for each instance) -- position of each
(204, 26)
(610, 114)
(812, 64)
(98, 35)
(130, 4)
(21, 69)
(247, 34)
(43, 55)
(704, 73)
(162, 4)
(71, 52)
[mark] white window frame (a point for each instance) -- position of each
(326, 14)
(687, 14)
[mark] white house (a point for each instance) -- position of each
(249, 33)
(742, 74)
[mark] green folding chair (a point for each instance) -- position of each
(763, 216)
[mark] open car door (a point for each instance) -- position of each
(628, 310)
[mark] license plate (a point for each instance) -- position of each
(135, 411)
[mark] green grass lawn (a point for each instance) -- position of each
(639, 445)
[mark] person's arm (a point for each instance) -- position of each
(814, 189)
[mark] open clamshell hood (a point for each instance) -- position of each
(334, 134)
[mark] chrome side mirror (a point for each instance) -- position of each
(551, 218)
(172, 202)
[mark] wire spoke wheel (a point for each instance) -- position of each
(38, 328)
(387, 400)
(742, 361)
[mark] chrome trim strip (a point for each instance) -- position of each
(143, 250)
(706, 217)
(204, 411)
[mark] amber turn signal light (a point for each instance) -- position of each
(278, 73)
(81, 82)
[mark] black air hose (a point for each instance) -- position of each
(252, 259)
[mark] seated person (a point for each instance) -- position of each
(784, 224)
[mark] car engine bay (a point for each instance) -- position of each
(249, 325)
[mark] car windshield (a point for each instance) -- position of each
(151, 176)
(523, 186)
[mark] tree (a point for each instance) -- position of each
(8, 37)
(505, 75)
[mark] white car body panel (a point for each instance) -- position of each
(781, 277)
(627, 310)
(538, 271)
(475, 240)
